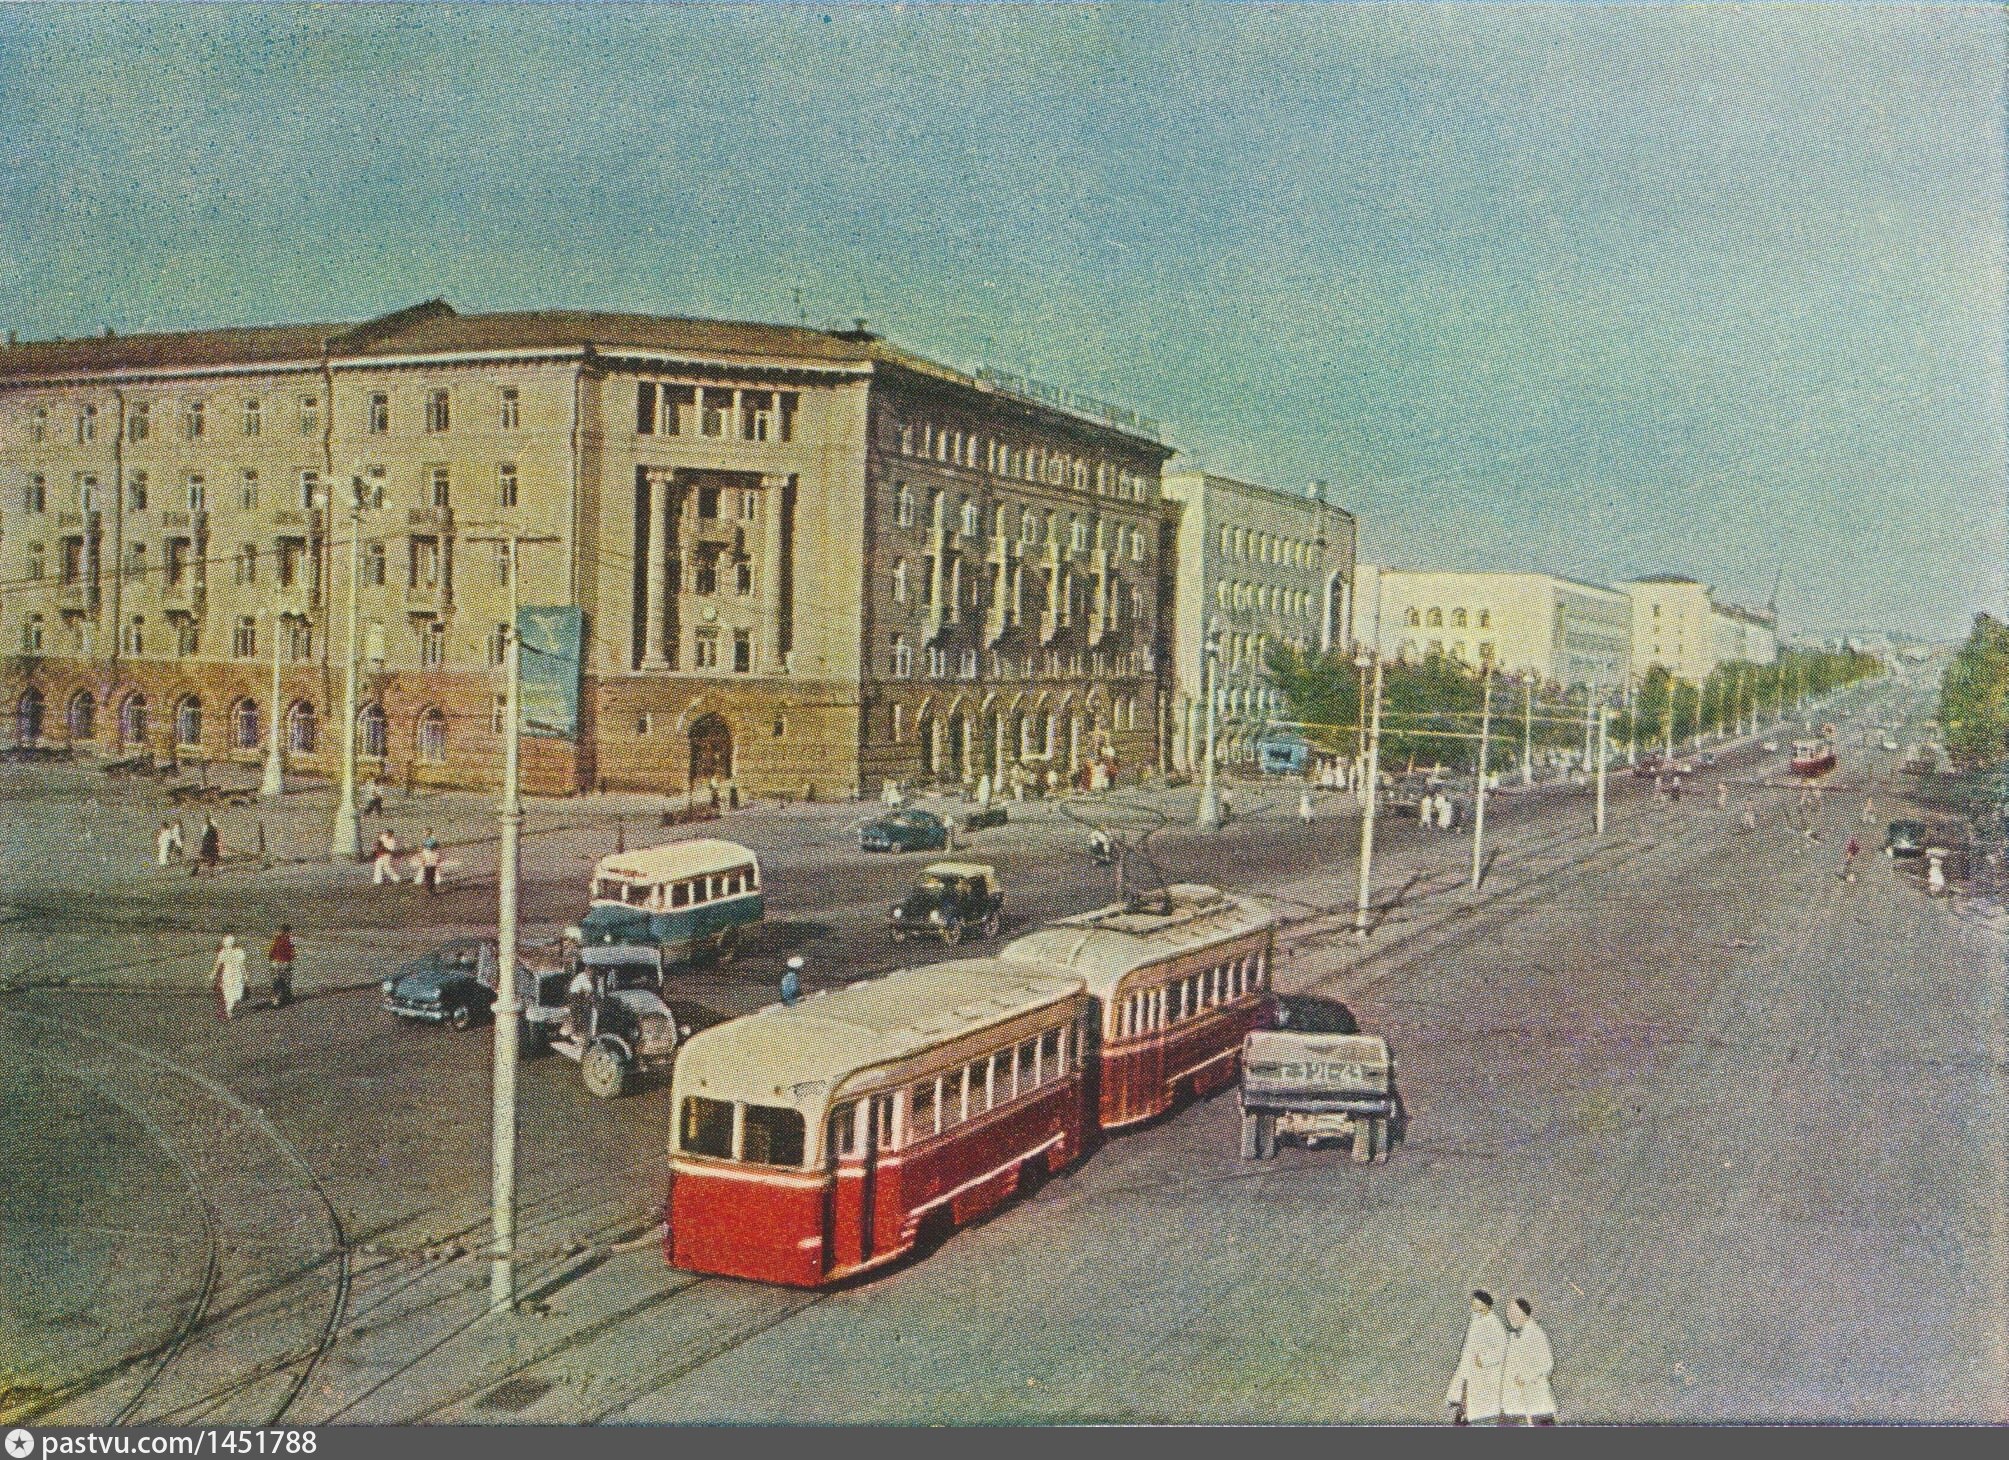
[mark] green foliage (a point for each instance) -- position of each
(1974, 694)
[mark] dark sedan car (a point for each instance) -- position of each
(909, 830)
(1904, 839)
(453, 984)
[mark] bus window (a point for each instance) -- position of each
(729, 885)
(707, 1127)
(680, 894)
(773, 1136)
(1049, 1055)
(884, 1105)
(1021, 1074)
(923, 1106)
(656, 898)
(980, 1086)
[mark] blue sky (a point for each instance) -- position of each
(1599, 290)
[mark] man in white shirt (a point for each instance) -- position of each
(1526, 1395)
(1475, 1385)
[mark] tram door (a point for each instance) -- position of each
(860, 1132)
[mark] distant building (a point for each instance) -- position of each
(1678, 624)
(1267, 567)
(1563, 631)
(795, 557)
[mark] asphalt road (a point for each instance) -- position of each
(1735, 1126)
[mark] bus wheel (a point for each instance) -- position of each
(727, 947)
(604, 1072)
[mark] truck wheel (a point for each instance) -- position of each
(1363, 1138)
(1382, 1126)
(727, 947)
(1266, 1136)
(952, 932)
(1249, 1135)
(991, 926)
(604, 1072)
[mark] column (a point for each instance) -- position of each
(657, 553)
(768, 565)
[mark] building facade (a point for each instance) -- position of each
(1260, 567)
(1565, 632)
(1678, 625)
(803, 559)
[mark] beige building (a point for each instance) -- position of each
(802, 558)
(1265, 567)
(1677, 623)
(1567, 632)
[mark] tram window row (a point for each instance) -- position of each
(1151, 1010)
(943, 1102)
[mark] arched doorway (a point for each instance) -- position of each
(83, 715)
(188, 723)
(958, 737)
(924, 733)
(302, 728)
(711, 749)
(133, 720)
(28, 713)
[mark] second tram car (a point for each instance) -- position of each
(1178, 978)
(814, 1141)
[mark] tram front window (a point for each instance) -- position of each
(774, 1136)
(707, 1127)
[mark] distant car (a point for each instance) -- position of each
(908, 830)
(452, 985)
(983, 817)
(952, 900)
(1889, 744)
(1769, 746)
(1904, 838)
(1708, 758)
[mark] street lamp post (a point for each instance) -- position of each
(1479, 792)
(1367, 802)
(1603, 734)
(1589, 699)
(1528, 729)
(273, 785)
(1631, 726)
(347, 840)
(1209, 816)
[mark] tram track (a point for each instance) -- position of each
(257, 1195)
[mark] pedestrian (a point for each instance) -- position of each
(1674, 789)
(791, 980)
(1722, 796)
(1750, 817)
(373, 798)
(1849, 855)
(1447, 813)
(279, 957)
(167, 842)
(226, 976)
(1869, 810)
(1819, 793)
(209, 851)
(1476, 1382)
(1304, 807)
(579, 1002)
(711, 784)
(429, 860)
(732, 794)
(384, 858)
(1526, 1367)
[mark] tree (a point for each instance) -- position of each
(1974, 693)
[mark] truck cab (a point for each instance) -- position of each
(619, 1032)
(1309, 1073)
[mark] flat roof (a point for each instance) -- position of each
(801, 1055)
(675, 859)
(1106, 945)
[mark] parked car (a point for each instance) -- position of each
(987, 816)
(906, 830)
(454, 984)
(951, 899)
(1904, 838)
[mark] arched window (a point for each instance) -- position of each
(188, 722)
(432, 736)
(1435, 618)
(1485, 618)
(373, 728)
(303, 728)
(244, 724)
(132, 719)
(28, 714)
(1457, 618)
(1415, 618)
(83, 715)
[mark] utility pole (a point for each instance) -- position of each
(1631, 725)
(1528, 730)
(1209, 816)
(1479, 795)
(1673, 687)
(347, 839)
(1589, 698)
(1603, 733)
(273, 785)
(508, 1009)
(1367, 806)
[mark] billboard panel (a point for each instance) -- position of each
(552, 640)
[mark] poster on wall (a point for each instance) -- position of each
(551, 638)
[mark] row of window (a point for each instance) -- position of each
(939, 1103)
(683, 892)
(248, 489)
(1460, 618)
(194, 418)
(1414, 651)
(1052, 664)
(943, 582)
(1037, 734)
(1152, 1010)
(1001, 458)
(1265, 598)
(1035, 527)
(1268, 547)
(721, 412)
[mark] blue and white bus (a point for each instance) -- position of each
(691, 898)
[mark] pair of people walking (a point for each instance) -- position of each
(1503, 1369)
(227, 974)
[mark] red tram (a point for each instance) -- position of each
(1177, 983)
(811, 1142)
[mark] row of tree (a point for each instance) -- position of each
(1430, 712)
(1974, 694)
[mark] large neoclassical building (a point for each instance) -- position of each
(798, 557)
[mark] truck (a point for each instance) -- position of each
(618, 1033)
(1311, 1075)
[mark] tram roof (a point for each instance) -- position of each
(799, 1054)
(675, 859)
(1106, 945)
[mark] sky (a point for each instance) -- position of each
(1601, 291)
